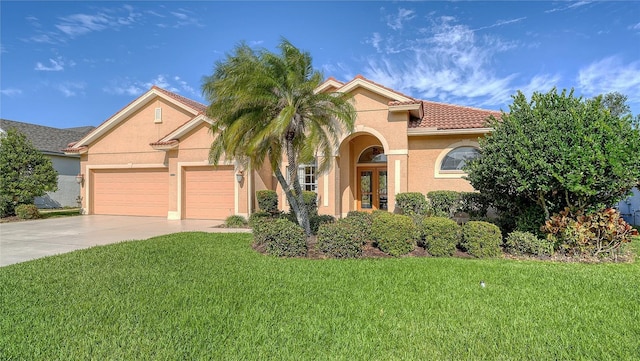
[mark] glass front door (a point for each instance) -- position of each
(372, 188)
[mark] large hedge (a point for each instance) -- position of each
(555, 151)
(25, 173)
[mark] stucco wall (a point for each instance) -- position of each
(425, 154)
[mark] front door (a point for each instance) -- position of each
(372, 188)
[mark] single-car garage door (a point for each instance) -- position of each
(131, 192)
(208, 192)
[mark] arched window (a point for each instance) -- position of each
(373, 155)
(457, 158)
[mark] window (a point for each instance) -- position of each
(158, 116)
(306, 177)
(457, 158)
(373, 155)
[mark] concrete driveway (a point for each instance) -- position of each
(23, 241)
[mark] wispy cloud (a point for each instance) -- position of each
(611, 74)
(449, 62)
(396, 21)
(10, 92)
(570, 5)
(79, 24)
(70, 89)
(502, 23)
(134, 87)
(54, 65)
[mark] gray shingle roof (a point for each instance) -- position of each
(47, 139)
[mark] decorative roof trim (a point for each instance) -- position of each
(184, 129)
(329, 83)
(436, 131)
(124, 113)
(74, 151)
(165, 145)
(362, 82)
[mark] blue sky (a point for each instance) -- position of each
(67, 64)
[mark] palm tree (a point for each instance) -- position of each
(265, 106)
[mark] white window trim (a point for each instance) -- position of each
(452, 174)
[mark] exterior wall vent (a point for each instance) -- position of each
(158, 116)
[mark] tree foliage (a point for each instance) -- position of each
(265, 106)
(557, 150)
(25, 173)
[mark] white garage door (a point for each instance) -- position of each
(131, 192)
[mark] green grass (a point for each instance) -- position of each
(57, 213)
(191, 296)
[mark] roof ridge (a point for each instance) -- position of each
(199, 107)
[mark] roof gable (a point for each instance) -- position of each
(190, 106)
(362, 82)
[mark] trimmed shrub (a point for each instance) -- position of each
(394, 234)
(444, 203)
(362, 222)
(526, 243)
(235, 221)
(260, 215)
(475, 204)
(27, 211)
(481, 239)
(597, 234)
(441, 236)
(340, 240)
(281, 237)
(311, 202)
(530, 219)
(412, 203)
(267, 200)
(316, 220)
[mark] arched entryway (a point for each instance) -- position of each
(372, 179)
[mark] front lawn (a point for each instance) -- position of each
(192, 296)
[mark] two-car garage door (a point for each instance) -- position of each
(206, 193)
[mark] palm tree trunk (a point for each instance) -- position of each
(301, 212)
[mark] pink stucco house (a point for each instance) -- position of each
(151, 157)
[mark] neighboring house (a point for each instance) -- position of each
(51, 142)
(151, 157)
(630, 208)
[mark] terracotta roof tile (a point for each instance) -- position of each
(448, 116)
(199, 107)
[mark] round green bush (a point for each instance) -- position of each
(258, 216)
(316, 220)
(412, 203)
(441, 236)
(27, 211)
(267, 200)
(521, 243)
(362, 222)
(235, 221)
(394, 234)
(340, 240)
(283, 238)
(481, 239)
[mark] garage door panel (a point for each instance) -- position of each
(209, 193)
(138, 192)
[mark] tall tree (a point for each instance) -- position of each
(264, 105)
(557, 151)
(25, 173)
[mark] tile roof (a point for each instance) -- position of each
(47, 139)
(444, 116)
(199, 107)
